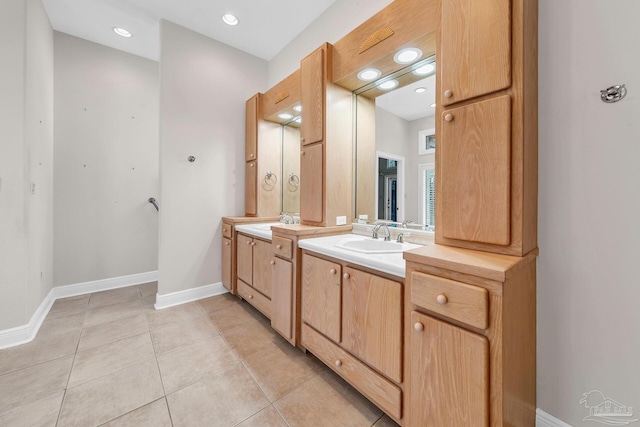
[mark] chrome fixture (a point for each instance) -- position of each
(270, 179)
(191, 159)
(154, 202)
(613, 94)
(387, 234)
(287, 219)
(400, 238)
(406, 222)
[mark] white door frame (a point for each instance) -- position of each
(399, 186)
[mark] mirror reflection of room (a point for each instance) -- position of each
(395, 176)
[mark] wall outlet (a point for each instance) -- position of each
(341, 220)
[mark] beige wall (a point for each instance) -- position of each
(106, 162)
(26, 110)
(588, 287)
(204, 85)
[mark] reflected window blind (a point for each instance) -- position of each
(428, 195)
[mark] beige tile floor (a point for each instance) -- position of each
(110, 359)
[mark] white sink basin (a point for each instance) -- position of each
(371, 246)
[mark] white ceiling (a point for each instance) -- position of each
(408, 104)
(265, 27)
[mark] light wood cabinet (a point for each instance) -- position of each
(227, 255)
(250, 188)
(475, 48)
(486, 163)
(282, 298)
(449, 371)
(254, 272)
(352, 320)
(252, 115)
(326, 134)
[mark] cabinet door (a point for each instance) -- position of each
(449, 375)
(312, 97)
(281, 297)
(252, 109)
(372, 321)
(226, 263)
(245, 258)
(475, 172)
(262, 256)
(322, 295)
(475, 48)
(250, 188)
(312, 183)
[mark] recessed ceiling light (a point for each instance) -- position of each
(408, 55)
(389, 84)
(425, 69)
(230, 19)
(369, 74)
(421, 90)
(433, 105)
(297, 108)
(285, 116)
(122, 32)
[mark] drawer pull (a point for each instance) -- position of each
(278, 246)
(251, 165)
(448, 93)
(448, 117)
(346, 276)
(224, 230)
(442, 299)
(272, 262)
(226, 243)
(251, 155)
(333, 271)
(338, 363)
(418, 327)
(248, 242)
(250, 296)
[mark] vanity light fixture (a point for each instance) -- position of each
(433, 105)
(421, 90)
(369, 74)
(424, 70)
(407, 56)
(122, 32)
(285, 116)
(297, 108)
(388, 85)
(298, 119)
(230, 19)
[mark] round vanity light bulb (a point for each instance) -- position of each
(388, 85)
(421, 90)
(408, 55)
(122, 32)
(424, 70)
(230, 19)
(369, 74)
(285, 116)
(297, 108)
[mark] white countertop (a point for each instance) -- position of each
(391, 263)
(261, 230)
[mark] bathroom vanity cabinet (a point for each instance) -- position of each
(470, 319)
(352, 321)
(326, 157)
(254, 272)
(486, 167)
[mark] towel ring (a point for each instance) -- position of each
(270, 179)
(294, 180)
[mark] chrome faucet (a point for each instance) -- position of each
(287, 219)
(387, 234)
(405, 223)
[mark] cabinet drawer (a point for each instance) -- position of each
(226, 230)
(376, 388)
(282, 247)
(254, 298)
(459, 301)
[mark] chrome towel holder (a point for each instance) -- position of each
(613, 94)
(270, 179)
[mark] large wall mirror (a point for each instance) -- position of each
(395, 148)
(291, 166)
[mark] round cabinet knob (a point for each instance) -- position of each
(251, 155)
(251, 165)
(302, 153)
(279, 246)
(253, 243)
(338, 363)
(449, 117)
(333, 271)
(442, 299)
(448, 93)
(418, 327)
(224, 230)
(346, 276)
(250, 296)
(226, 243)
(248, 242)
(301, 139)
(272, 262)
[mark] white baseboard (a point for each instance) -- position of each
(545, 420)
(26, 333)
(188, 295)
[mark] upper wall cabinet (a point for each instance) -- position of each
(487, 129)
(252, 114)
(313, 72)
(475, 48)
